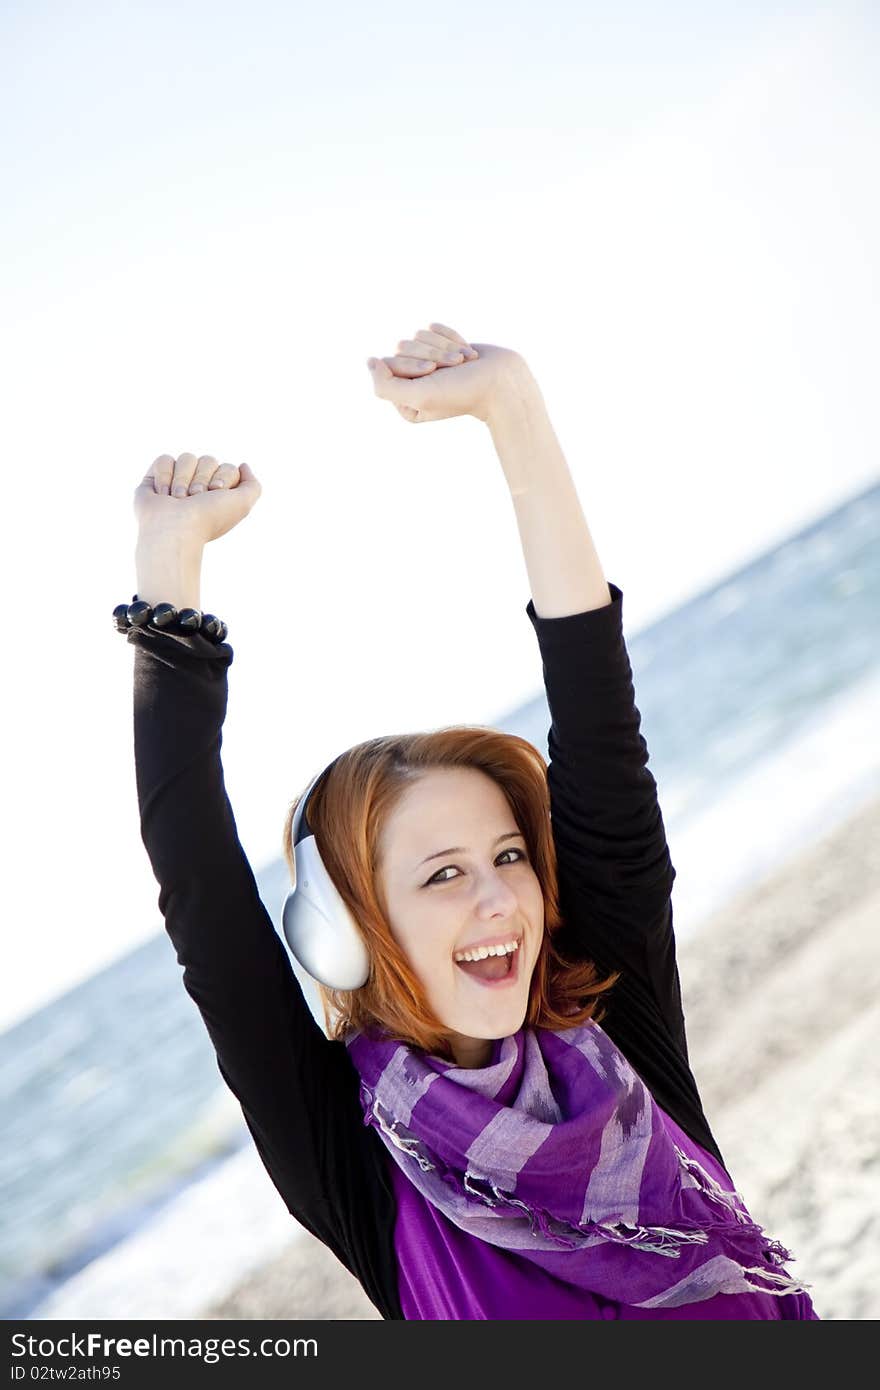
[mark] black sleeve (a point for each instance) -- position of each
(615, 871)
(297, 1089)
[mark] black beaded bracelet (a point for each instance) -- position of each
(166, 618)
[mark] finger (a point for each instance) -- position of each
(184, 468)
(206, 466)
(159, 474)
(444, 344)
(412, 366)
(227, 475)
(389, 387)
(415, 347)
(249, 480)
(444, 331)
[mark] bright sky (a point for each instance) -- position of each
(214, 213)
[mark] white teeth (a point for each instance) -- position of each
(481, 952)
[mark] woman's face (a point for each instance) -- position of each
(443, 901)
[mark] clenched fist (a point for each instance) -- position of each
(438, 375)
(194, 499)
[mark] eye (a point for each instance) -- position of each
(435, 878)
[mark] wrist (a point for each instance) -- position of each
(168, 570)
(515, 391)
(523, 433)
(167, 540)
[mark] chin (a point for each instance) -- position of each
(498, 1014)
(507, 1020)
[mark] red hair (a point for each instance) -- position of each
(347, 810)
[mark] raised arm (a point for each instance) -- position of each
(615, 871)
(607, 822)
(297, 1089)
(614, 868)
(565, 573)
(607, 818)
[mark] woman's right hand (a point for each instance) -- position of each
(212, 498)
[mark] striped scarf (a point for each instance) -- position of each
(557, 1151)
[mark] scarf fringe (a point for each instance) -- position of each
(410, 1146)
(780, 1284)
(656, 1240)
(772, 1250)
(660, 1240)
(712, 1189)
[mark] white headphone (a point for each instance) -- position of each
(319, 927)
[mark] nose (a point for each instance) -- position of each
(496, 897)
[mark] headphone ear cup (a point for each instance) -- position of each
(318, 926)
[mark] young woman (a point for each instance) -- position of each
(465, 1134)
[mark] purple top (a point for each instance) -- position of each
(445, 1273)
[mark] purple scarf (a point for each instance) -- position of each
(557, 1151)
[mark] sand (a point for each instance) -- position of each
(781, 992)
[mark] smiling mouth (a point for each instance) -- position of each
(493, 970)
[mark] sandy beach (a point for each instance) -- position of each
(781, 993)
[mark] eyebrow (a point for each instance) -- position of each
(460, 849)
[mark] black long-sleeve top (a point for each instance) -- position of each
(298, 1089)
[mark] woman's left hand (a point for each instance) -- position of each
(419, 383)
